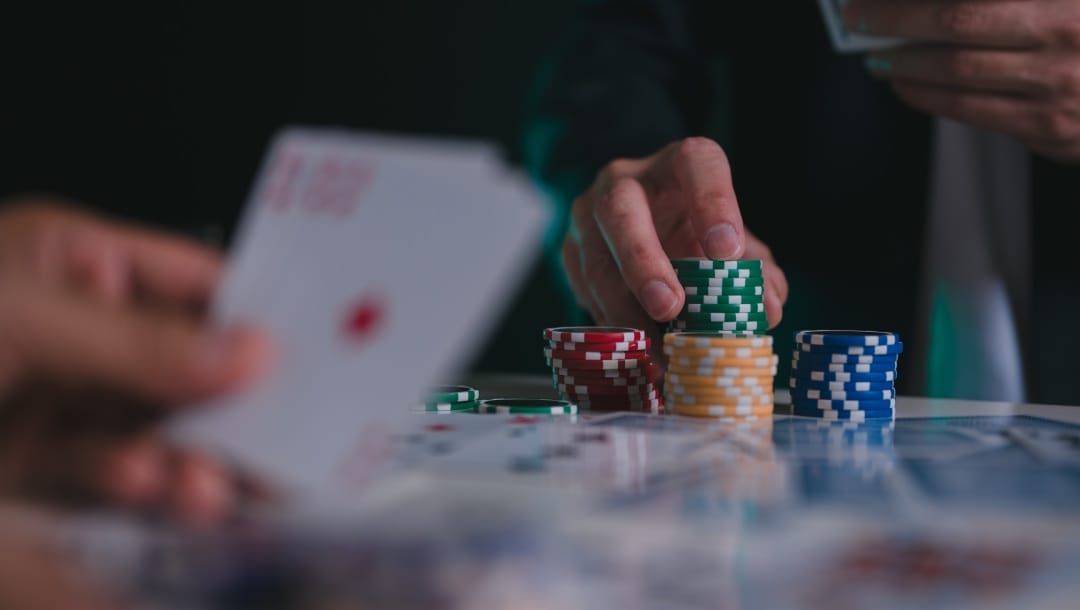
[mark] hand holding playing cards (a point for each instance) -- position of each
(1011, 67)
(101, 327)
(638, 213)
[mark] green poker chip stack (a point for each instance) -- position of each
(451, 399)
(527, 406)
(724, 297)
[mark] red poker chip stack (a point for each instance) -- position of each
(602, 368)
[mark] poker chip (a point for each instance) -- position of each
(749, 291)
(763, 361)
(717, 273)
(583, 391)
(721, 381)
(621, 346)
(722, 299)
(621, 405)
(721, 372)
(717, 326)
(846, 337)
(613, 382)
(709, 264)
(623, 373)
(845, 386)
(736, 421)
(846, 405)
(798, 356)
(527, 406)
(876, 367)
(591, 355)
(842, 377)
(600, 370)
(453, 394)
(723, 308)
(695, 356)
(851, 350)
(605, 365)
(701, 281)
(593, 334)
(814, 394)
(449, 407)
(716, 340)
(759, 318)
(450, 399)
(846, 415)
(674, 397)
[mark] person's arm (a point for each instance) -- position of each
(615, 131)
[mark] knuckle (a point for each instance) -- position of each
(617, 168)
(1059, 126)
(958, 20)
(696, 147)
(1068, 35)
(617, 201)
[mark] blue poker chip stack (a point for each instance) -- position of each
(845, 375)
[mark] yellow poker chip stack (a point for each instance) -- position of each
(725, 377)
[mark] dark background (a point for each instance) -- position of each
(161, 113)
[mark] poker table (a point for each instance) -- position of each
(954, 503)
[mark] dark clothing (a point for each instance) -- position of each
(821, 153)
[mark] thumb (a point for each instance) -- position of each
(159, 356)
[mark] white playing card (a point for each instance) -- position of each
(378, 266)
(848, 42)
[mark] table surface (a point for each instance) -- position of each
(945, 507)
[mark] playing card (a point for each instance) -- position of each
(377, 266)
(849, 42)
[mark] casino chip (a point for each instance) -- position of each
(527, 406)
(721, 296)
(601, 368)
(451, 399)
(725, 377)
(844, 374)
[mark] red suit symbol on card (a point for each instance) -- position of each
(365, 318)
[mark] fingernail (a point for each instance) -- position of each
(878, 65)
(722, 242)
(658, 299)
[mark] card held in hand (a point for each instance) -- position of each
(377, 265)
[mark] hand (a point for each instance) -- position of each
(87, 301)
(639, 213)
(101, 329)
(1007, 66)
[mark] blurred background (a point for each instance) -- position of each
(161, 112)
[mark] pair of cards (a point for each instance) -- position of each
(377, 265)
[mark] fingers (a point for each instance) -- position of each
(170, 269)
(702, 171)
(776, 285)
(975, 70)
(1011, 25)
(624, 218)
(1015, 116)
(156, 356)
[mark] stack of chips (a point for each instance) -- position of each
(527, 406)
(721, 296)
(602, 368)
(451, 399)
(844, 374)
(719, 375)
